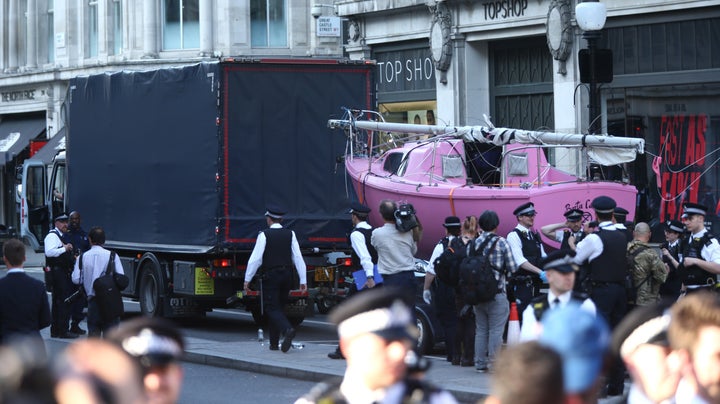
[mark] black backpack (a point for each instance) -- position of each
(447, 264)
(107, 288)
(477, 283)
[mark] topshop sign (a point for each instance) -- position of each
(411, 69)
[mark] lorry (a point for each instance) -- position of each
(178, 165)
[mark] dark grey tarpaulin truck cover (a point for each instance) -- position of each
(156, 158)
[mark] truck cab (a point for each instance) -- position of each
(41, 190)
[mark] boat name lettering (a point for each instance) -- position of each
(8, 96)
(505, 9)
(578, 205)
(408, 70)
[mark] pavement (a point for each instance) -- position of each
(310, 362)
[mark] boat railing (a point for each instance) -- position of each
(372, 138)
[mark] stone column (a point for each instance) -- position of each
(31, 36)
(150, 27)
(12, 36)
(206, 27)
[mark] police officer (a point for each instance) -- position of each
(377, 332)
(603, 253)
(275, 255)
(561, 271)
(59, 257)
(672, 256)
(572, 233)
(700, 252)
(528, 251)
(619, 216)
(444, 300)
(363, 254)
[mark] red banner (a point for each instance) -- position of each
(682, 145)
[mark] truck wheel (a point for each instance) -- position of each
(324, 304)
(150, 302)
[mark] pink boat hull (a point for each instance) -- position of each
(433, 200)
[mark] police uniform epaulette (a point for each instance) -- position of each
(578, 295)
(708, 238)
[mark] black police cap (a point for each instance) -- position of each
(381, 311)
(275, 211)
(452, 221)
(574, 215)
(674, 225)
(690, 208)
(604, 204)
(560, 260)
(359, 209)
(525, 209)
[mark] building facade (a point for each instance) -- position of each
(439, 61)
(518, 62)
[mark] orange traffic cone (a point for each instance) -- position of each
(513, 332)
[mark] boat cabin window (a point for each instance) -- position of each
(393, 162)
(517, 164)
(452, 166)
(483, 162)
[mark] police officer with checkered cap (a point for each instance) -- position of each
(567, 233)
(363, 256)
(528, 251)
(671, 256)
(701, 250)
(377, 334)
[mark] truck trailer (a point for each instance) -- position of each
(179, 164)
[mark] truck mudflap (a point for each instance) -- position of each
(181, 306)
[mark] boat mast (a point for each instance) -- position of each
(499, 136)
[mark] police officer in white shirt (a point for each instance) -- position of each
(561, 272)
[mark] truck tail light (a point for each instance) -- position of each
(344, 262)
(222, 263)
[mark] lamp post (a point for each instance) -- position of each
(590, 16)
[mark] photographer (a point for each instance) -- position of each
(396, 245)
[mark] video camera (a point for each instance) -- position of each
(405, 219)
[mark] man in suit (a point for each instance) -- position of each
(24, 308)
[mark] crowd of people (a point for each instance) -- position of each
(605, 306)
(131, 361)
